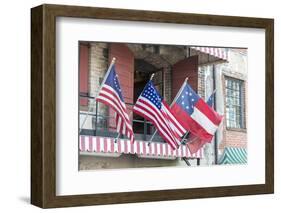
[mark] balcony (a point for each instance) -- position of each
(98, 137)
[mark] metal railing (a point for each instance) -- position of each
(100, 122)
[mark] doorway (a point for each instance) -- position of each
(143, 72)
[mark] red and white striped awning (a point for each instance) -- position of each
(92, 144)
(220, 53)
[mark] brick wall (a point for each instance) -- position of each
(201, 83)
(187, 67)
(237, 68)
(236, 137)
(98, 65)
(167, 84)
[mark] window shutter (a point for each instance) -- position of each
(124, 66)
(83, 72)
(187, 67)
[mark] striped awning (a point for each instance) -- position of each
(104, 145)
(234, 155)
(219, 53)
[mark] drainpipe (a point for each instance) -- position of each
(215, 137)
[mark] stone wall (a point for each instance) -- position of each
(87, 162)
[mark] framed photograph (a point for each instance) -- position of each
(137, 106)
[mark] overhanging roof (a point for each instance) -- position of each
(210, 54)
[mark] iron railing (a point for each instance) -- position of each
(100, 122)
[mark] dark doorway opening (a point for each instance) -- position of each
(143, 72)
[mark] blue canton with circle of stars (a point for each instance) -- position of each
(149, 92)
(112, 81)
(187, 99)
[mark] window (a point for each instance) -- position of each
(234, 103)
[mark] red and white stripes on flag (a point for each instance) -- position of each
(110, 94)
(151, 106)
(121, 126)
(173, 122)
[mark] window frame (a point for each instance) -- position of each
(242, 103)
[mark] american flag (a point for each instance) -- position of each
(152, 107)
(111, 95)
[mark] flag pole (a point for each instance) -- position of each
(179, 92)
(105, 76)
(185, 135)
(152, 76)
(215, 90)
(107, 73)
(174, 100)
(115, 139)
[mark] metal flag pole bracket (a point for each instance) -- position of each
(151, 138)
(117, 137)
(186, 161)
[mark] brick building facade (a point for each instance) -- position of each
(235, 69)
(171, 64)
